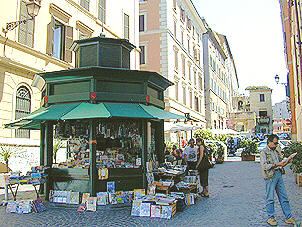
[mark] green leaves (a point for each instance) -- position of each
(296, 164)
(7, 152)
(250, 147)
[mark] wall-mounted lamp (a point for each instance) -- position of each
(33, 7)
(277, 79)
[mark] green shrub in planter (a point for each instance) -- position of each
(219, 154)
(250, 148)
(296, 164)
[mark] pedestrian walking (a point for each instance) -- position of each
(183, 142)
(203, 165)
(190, 155)
(272, 170)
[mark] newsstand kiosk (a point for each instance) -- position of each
(111, 116)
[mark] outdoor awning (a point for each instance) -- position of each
(73, 111)
(176, 127)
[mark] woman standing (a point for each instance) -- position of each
(203, 166)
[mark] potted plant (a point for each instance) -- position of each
(7, 152)
(296, 164)
(249, 150)
(219, 154)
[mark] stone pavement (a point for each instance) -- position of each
(237, 199)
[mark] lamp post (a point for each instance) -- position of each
(33, 7)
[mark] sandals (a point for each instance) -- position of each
(205, 194)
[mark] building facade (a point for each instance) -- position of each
(221, 81)
(280, 110)
(291, 25)
(241, 118)
(282, 117)
(231, 78)
(44, 44)
(281, 126)
(171, 44)
(260, 100)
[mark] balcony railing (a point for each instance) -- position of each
(264, 120)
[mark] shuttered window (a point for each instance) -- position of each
(196, 104)
(59, 40)
(126, 26)
(23, 101)
(85, 4)
(191, 99)
(142, 55)
(141, 23)
(176, 90)
(184, 97)
(26, 31)
(102, 11)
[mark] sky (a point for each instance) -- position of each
(254, 32)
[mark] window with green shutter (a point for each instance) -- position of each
(126, 26)
(85, 4)
(59, 40)
(102, 11)
(26, 31)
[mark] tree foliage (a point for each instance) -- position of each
(205, 134)
(296, 164)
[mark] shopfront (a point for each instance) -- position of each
(111, 118)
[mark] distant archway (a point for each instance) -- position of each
(240, 105)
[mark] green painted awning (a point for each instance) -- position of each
(129, 110)
(53, 112)
(86, 111)
(159, 113)
(73, 111)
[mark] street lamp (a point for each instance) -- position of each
(33, 7)
(277, 79)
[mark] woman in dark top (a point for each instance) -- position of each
(202, 167)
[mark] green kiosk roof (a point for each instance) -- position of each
(73, 111)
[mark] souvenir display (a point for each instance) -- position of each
(67, 197)
(25, 206)
(36, 176)
(102, 198)
(118, 144)
(91, 204)
(156, 206)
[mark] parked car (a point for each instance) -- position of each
(260, 136)
(282, 143)
(283, 136)
(262, 145)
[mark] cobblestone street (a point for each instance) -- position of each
(237, 199)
